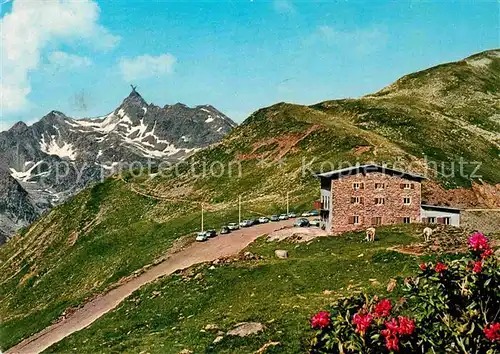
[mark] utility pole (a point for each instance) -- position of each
(239, 209)
(287, 203)
(202, 218)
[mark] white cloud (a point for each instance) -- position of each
(284, 6)
(29, 28)
(63, 60)
(362, 41)
(146, 66)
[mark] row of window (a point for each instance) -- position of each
(437, 220)
(377, 220)
(381, 186)
(377, 201)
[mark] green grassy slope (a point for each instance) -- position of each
(168, 316)
(105, 233)
(109, 231)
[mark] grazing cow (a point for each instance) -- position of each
(370, 234)
(427, 234)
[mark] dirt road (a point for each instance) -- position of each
(221, 246)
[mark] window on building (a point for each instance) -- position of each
(324, 202)
(357, 200)
(379, 201)
(407, 186)
(377, 220)
(444, 220)
(431, 220)
(355, 220)
(379, 185)
(406, 201)
(406, 220)
(358, 185)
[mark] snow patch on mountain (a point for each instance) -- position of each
(104, 125)
(110, 167)
(52, 147)
(26, 176)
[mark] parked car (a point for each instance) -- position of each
(201, 236)
(302, 222)
(292, 215)
(255, 222)
(263, 219)
(283, 217)
(224, 230)
(275, 217)
(246, 223)
(233, 226)
(305, 214)
(313, 213)
(211, 233)
(315, 222)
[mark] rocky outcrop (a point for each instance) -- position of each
(16, 207)
(480, 195)
(245, 329)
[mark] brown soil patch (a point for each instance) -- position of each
(359, 150)
(414, 249)
(444, 240)
(286, 143)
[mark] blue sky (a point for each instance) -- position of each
(236, 55)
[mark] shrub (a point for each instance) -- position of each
(451, 307)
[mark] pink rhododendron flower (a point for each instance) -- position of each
(478, 267)
(406, 326)
(487, 253)
(422, 266)
(492, 332)
(440, 267)
(362, 322)
(478, 242)
(392, 325)
(402, 325)
(320, 320)
(391, 342)
(383, 308)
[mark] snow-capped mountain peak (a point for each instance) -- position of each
(134, 132)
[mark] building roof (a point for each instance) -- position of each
(349, 171)
(440, 207)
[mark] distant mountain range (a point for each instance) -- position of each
(43, 164)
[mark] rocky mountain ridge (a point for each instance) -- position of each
(47, 162)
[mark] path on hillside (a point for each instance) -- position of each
(198, 252)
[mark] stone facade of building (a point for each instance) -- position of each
(369, 198)
(360, 201)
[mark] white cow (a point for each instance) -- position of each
(427, 234)
(370, 234)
